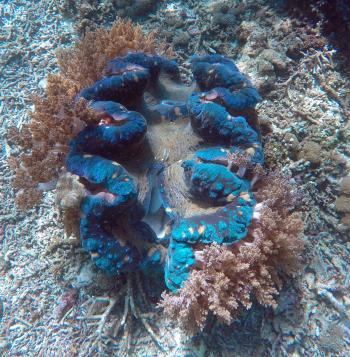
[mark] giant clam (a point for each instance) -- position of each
(162, 165)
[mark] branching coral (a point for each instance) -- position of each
(226, 278)
(89, 14)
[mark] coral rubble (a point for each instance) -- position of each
(90, 14)
(333, 17)
(342, 203)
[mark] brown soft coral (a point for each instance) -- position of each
(44, 140)
(84, 63)
(226, 277)
(56, 118)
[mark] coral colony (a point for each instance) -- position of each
(213, 258)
